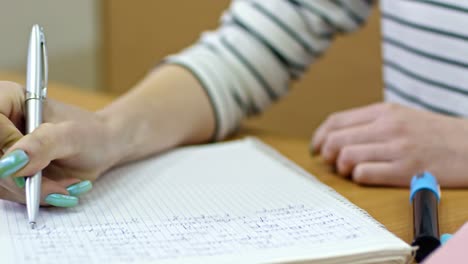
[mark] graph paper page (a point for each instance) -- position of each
(229, 202)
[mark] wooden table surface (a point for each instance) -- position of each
(389, 206)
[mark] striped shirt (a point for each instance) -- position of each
(261, 46)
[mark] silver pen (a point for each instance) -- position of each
(36, 92)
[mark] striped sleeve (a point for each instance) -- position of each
(249, 61)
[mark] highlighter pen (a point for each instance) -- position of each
(425, 196)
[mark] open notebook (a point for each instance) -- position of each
(236, 202)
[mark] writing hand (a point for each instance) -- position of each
(70, 147)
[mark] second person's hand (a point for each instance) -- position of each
(386, 144)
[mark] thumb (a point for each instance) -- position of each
(45, 144)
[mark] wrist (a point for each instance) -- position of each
(166, 109)
(114, 142)
(130, 136)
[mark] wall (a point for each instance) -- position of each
(73, 34)
(138, 36)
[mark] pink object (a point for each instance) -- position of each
(454, 251)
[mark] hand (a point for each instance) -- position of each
(71, 147)
(386, 144)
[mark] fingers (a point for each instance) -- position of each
(64, 192)
(374, 164)
(54, 193)
(24, 156)
(358, 116)
(61, 193)
(12, 162)
(12, 101)
(7, 194)
(9, 134)
(378, 173)
(351, 156)
(336, 141)
(11, 116)
(74, 186)
(374, 144)
(29, 154)
(48, 142)
(15, 160)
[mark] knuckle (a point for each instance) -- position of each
(403, 146)
(12, 90)
(333, 119)
(392, 124)
(414, 165)
(333, 139)
(67, 135)
(42, 136)
(63, 130)
(46, 126)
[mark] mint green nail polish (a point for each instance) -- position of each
(12, 162)
(20, 182)
(61, 200)
(80, 188)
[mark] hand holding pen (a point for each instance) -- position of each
(70, 147)
(52, 148)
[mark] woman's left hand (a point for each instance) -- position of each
(386, 144)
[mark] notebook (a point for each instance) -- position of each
(235, 202)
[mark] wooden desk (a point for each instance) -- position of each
(389, 206)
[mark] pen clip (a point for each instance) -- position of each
(45, 66)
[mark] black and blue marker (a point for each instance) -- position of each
(425, 197)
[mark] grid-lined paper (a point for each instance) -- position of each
(223, 203)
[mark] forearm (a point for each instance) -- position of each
(166, 109)
(242, 66)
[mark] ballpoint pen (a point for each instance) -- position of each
(36, 91)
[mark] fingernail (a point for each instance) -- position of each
(20, 182)
(61, 200)
(13, 162)
(80, 188)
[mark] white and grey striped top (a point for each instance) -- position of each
(249, 61)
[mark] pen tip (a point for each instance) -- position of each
(33, 225)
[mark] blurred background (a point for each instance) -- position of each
(108, 45)
(73, 31)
